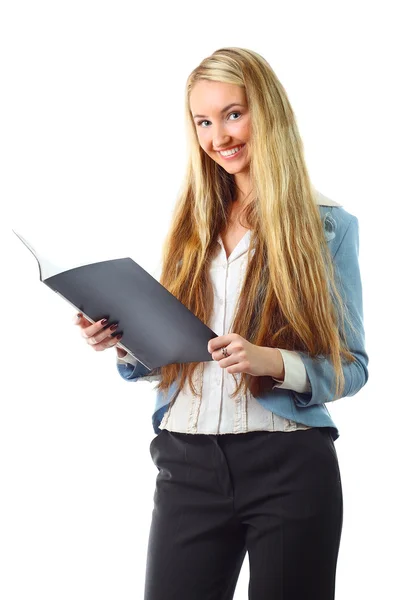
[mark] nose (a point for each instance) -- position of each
(220, 137)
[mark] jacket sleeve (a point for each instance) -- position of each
(132, 370)
(320, 369)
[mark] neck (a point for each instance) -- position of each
(243, 191)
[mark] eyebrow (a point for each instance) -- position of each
(223, 110)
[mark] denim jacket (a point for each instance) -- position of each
(342, 236)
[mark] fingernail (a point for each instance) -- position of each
(114, 327)
(119, 336)
(104, 321)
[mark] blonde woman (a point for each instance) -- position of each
(244, 446)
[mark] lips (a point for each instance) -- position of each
(231, 156)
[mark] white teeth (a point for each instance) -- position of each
(232, 151)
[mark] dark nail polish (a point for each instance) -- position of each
(114, 327)
(119, 336)
(103, 321)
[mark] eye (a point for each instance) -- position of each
(199, 123)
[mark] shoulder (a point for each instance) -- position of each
(336, 220)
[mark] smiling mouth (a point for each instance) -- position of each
(232, 152)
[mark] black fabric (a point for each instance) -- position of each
(277, 495)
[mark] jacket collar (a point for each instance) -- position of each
(244, 242)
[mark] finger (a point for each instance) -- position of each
(101, 335)
(237, 368)
(232, 364)
(80, 320)
(218, 353)
(92, 328)
(224, 361)
(218, 342)
(108, 342)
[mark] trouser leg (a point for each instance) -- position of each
(288, 496)
(196, 545)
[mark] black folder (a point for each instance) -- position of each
(157, 328)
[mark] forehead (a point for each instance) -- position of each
(211, 96)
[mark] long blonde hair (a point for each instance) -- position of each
(291, 299)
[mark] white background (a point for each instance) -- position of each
(92, 157)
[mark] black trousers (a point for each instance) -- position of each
(277, 495)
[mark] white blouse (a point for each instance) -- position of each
(214, 412)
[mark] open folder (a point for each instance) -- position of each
(157, 328)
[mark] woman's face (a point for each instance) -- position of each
(222, 122)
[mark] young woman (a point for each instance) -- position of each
(245, 454)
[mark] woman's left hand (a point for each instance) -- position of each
(245, 357)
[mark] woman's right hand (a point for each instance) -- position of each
(98, 334)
